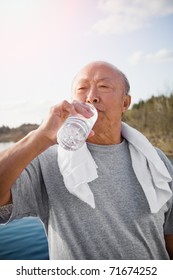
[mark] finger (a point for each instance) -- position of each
(83, 109)
(68, 108)
(63, 109)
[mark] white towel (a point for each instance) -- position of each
(150, 170)
(79, 168)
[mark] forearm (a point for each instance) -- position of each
(16, 158)
(169, 244)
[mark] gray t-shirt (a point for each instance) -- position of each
(120, 227)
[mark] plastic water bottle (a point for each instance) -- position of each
(75, 130)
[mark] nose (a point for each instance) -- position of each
(92, 96)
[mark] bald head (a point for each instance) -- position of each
(110, 67)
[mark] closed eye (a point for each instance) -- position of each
(104, 87)
(81, 88)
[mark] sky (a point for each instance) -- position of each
(44, 43)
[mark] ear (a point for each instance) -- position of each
(127, 102)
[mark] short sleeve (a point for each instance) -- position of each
(168, 225)
(5, 213)
(29, 195)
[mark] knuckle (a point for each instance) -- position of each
(62, 106)
(64, 103)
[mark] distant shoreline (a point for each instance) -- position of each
(15, 134)
(6, 144)
(153, 118)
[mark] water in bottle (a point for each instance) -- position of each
(75, 130)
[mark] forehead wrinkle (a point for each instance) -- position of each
(86, 81)
(117, 74)
(96, 79)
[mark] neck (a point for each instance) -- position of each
(110, 135)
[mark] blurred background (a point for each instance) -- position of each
(43, 44)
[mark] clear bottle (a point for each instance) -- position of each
(75, 130)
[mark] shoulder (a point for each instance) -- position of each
(45, 158)
(168, 164)
(166, 161)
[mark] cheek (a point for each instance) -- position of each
(80, 97)
(110, 104)
(114, 108)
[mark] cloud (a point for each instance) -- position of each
(162, 55)
(122, 16)
(136, 57)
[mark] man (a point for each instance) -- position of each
(121, 226)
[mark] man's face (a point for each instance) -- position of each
(102, 85)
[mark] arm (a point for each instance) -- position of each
(17, 157)
(169, 245)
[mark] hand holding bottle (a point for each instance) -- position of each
(75, 130)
